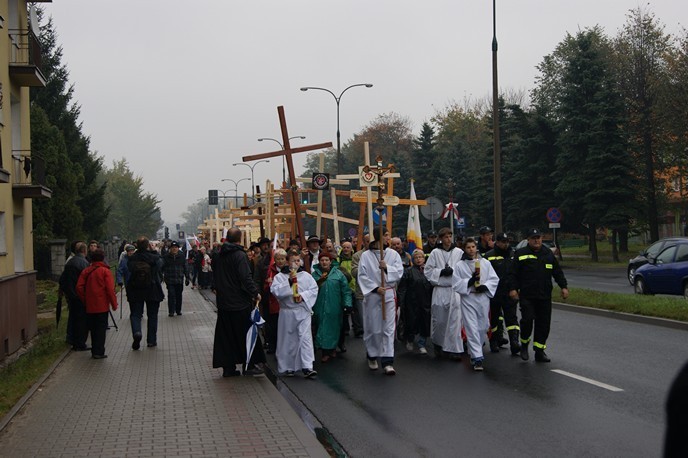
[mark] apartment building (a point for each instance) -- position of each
(22, 172)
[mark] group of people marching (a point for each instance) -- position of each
(457, 297)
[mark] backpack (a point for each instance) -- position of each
(141, 275)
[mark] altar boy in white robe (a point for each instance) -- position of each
(445, 324)
(296, 291)
(378, 332)
(476, 281)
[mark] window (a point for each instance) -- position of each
(682, 255)
(667, 255)
(654, 249)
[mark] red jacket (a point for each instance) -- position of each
(96, 288)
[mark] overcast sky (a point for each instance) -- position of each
(184, 89)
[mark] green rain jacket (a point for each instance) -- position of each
(333, 296)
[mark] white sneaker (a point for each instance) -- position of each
(372, 364)
(389, 370)
(409, 346)
(422, 351)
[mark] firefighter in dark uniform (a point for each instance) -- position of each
(534, 267)
(501, 258)
(485, 242)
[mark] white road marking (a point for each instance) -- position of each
(588, 380)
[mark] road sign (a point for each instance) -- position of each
(376, 216)
(461, 222)
(554, 215)
(554, 225)
(181, 234)
(433, 209)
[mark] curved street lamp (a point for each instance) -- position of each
(337, 99)
(253, 188)
(236, 188)
(284, 174)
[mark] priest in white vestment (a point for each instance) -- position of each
(476, 285)
(445, 323)
(294, 338)
(379, 332)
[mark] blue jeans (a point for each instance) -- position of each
(152, 314)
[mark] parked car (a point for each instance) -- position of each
(666, 273)
(548, 243)
(648, 254)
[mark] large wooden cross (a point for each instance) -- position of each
(287, 152)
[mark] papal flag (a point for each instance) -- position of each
(413, 234)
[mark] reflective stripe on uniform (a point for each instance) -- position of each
(513, 328)
(501, 318)
(526, 256)
(495, 329)
(495, 258)
(539, 345)
(548, 266)
(524, 341)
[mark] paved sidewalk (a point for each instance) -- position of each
(162, 401)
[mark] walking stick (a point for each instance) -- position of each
(121, 290)
(113, 320)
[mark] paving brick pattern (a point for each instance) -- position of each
(161, 401)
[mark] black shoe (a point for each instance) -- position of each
(309, 373)
(524, 352)
(358, 334)
(149, 344)
(137, 341)
(75, 348)
(502, 341)
(494, 346)
(170, 314)
(99, 356)
(478, 366)
(230, 372)
(179, 313)
(541, 356)
(255, 371)
(342, 348)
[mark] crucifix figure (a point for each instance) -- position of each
(380, 171)
(287, 152)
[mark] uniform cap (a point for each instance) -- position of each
(174, 243)
(502, 237)
(485, 230)
(534, 233)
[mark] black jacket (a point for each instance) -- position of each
(175, 269)
(69, 277)
(154, 292)
(234, 287)
(533, 272)
(501, 261)
(414, 289)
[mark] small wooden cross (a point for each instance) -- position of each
(287, 152)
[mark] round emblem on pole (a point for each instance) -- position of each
(321, 181)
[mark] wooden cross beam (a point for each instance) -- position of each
(287, 152)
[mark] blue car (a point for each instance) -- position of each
(665, 274)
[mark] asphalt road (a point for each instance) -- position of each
(605, 279)
(514, 408)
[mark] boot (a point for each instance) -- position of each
(541, 356)
(494, 345)
(500, 335)
(514, 343)
(524, 352)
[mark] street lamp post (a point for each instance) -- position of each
(236, 189)
(497, 154)
(284, 173)
(253, 187)
(337, 99)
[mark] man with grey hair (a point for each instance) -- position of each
(77, 327)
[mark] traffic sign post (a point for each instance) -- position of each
(554, 217)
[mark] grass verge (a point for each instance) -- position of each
(673, 308)
(20, 375)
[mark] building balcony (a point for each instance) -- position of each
(25, 59)
(28, 176)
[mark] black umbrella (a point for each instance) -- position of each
(58, 311)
